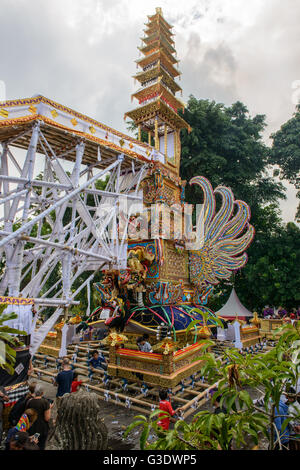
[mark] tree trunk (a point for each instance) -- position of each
(79, 425)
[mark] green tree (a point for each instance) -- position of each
(9, 340)
(271, 275)
(286, 152)
(226, 147)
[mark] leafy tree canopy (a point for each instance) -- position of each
(226, 147)
(286, 152)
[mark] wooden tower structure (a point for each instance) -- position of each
(157, 113)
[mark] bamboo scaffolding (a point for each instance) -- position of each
(140, 402)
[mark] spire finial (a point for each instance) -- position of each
(159, 10)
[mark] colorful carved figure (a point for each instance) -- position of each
(222, 237)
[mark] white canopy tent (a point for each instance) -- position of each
(234, 308)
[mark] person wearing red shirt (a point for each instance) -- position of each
(75, 383)
(165, 405)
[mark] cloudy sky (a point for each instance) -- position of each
(81, 53)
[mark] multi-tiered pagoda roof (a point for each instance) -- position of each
(158, 108)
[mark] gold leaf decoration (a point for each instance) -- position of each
(122, 143)
(92, 130)
(115, 338)
(167, 349)
(59, 325)
(54, 113)
(32, 109)
(74, 122)
(75, 320)
(4, 113)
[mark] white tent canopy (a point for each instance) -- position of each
(234, 307)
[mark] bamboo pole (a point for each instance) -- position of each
(59, 203)
(63, 187)
(156, 134)
(166, 141)
(193, 410)
(57, 245)
(202, 394)
(45, 372)
(121, 395)
(103, 351)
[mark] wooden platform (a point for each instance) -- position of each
(190, 394)
(268, 327)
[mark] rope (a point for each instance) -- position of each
(150, 309)
(128, 403)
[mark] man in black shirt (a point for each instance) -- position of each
(43, 409)
(64, 378)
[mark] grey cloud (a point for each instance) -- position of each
(88, 65)
(209, 72)
(189, 18)
(267, 56)
(47, 56)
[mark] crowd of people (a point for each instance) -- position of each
(29, 421)
(29, 417)
(281, 313)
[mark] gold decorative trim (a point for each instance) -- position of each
(97, 140)
(32, 109)
(42, 99)
(4, 113)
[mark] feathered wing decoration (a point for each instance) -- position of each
(226, 234)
